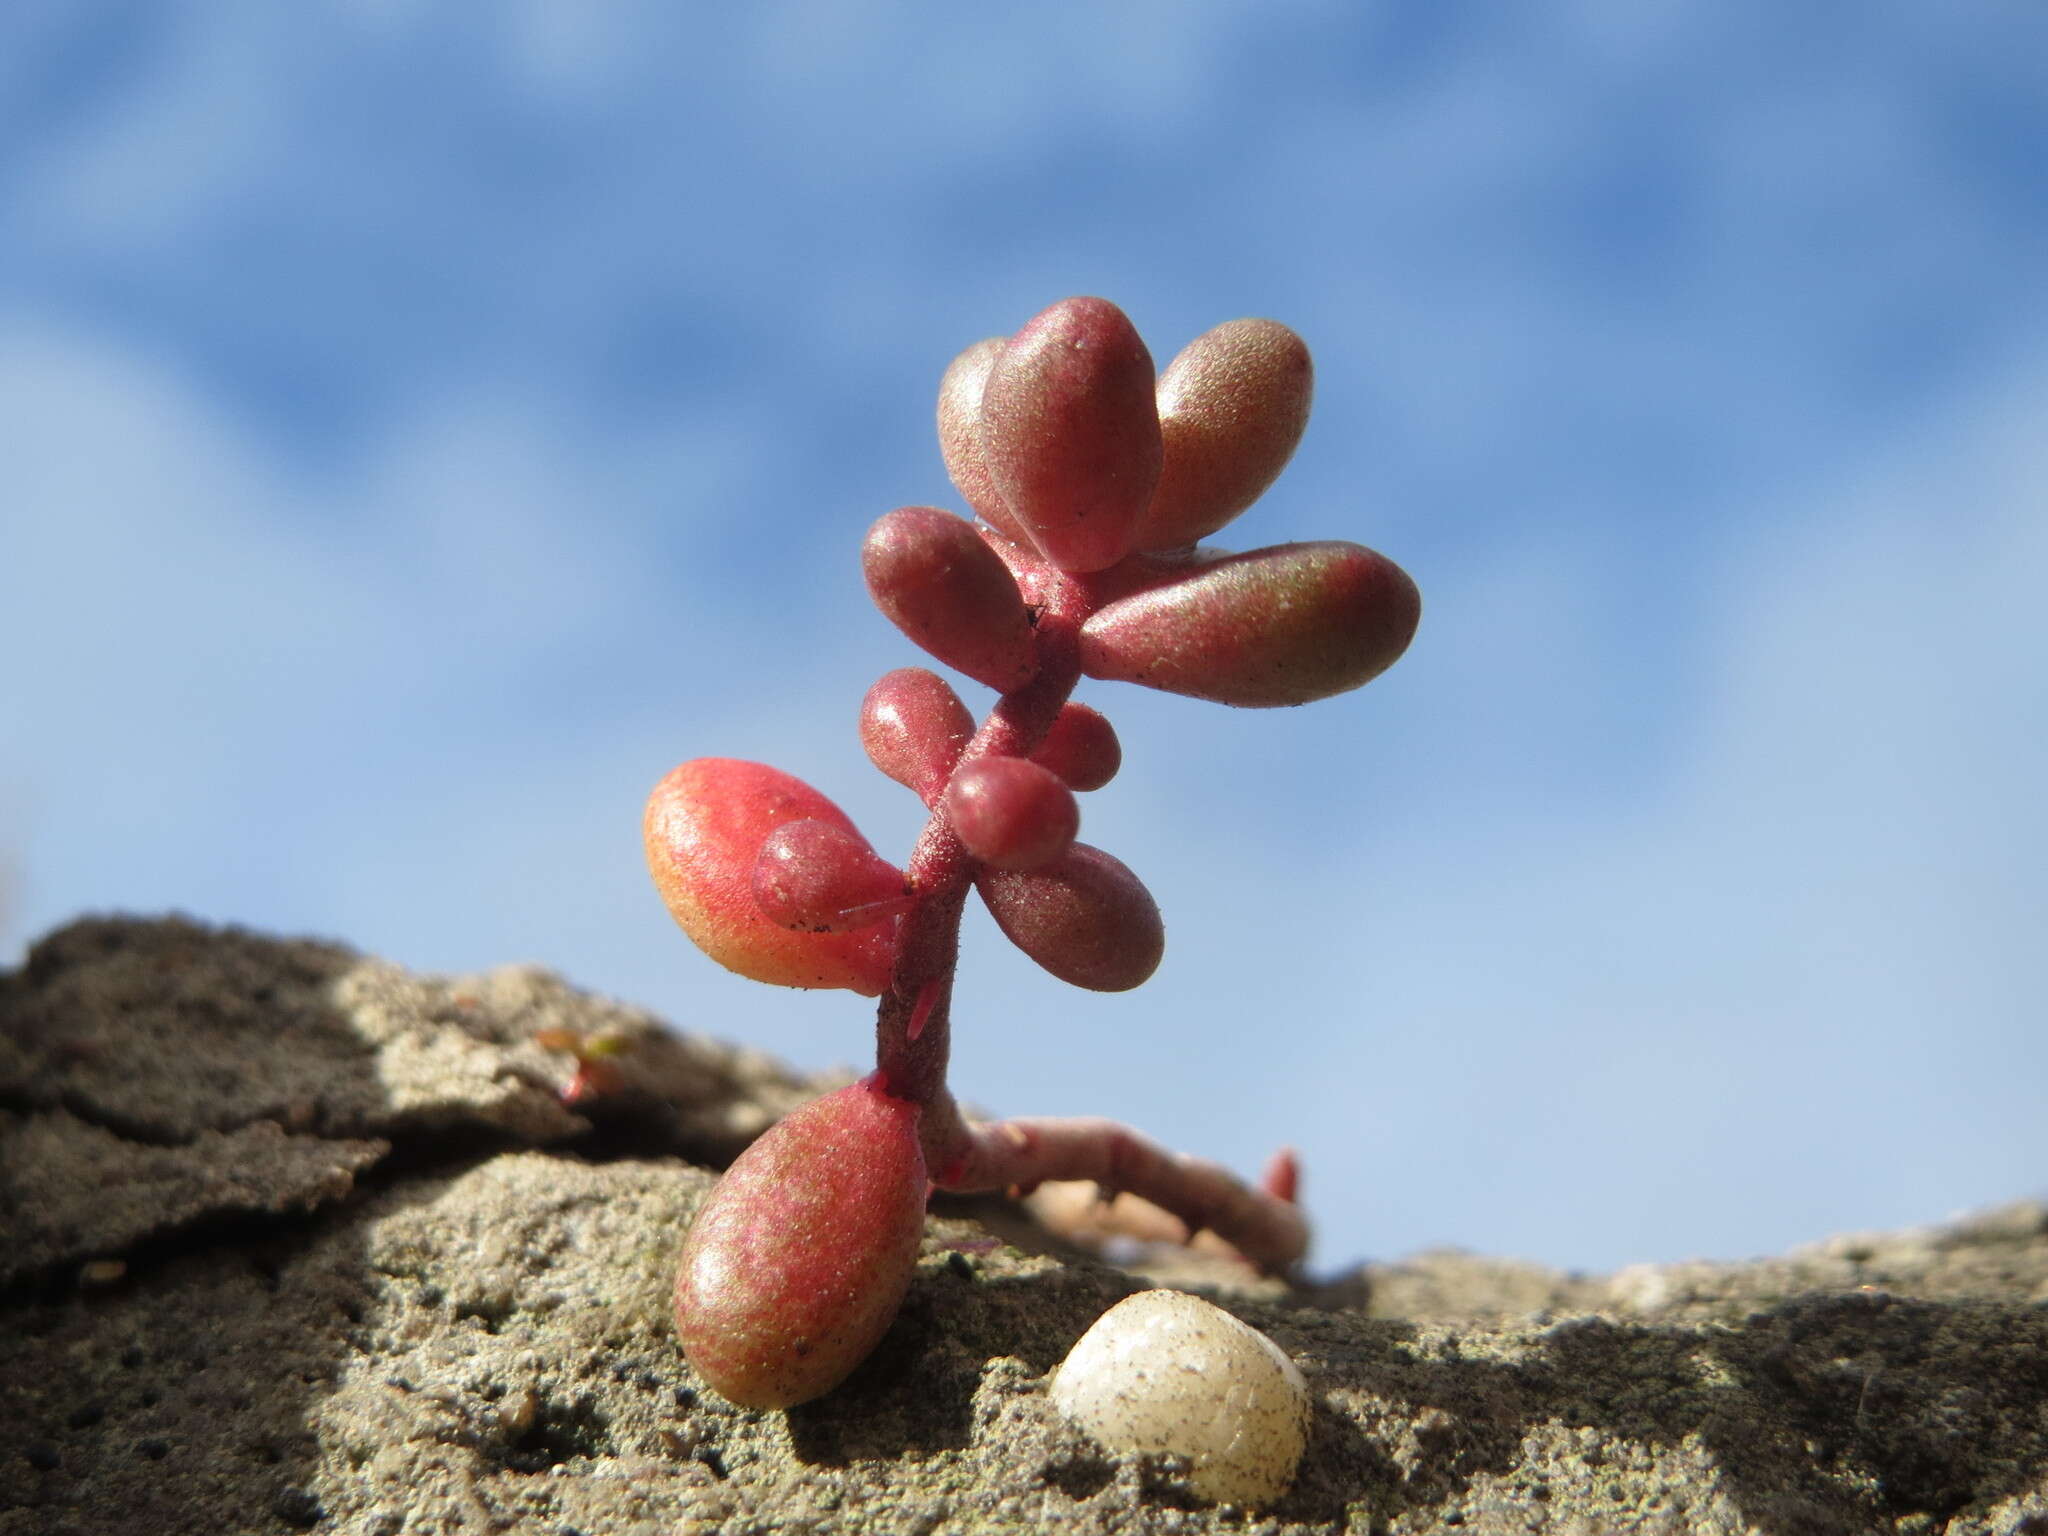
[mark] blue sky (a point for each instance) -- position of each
(426, 426)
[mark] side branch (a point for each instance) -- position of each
(1262, 1224)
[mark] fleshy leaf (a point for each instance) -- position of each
(704, 828)
(818, 877)
(1070, 432)
(914, 728)
(799, 1258)
(960, 394)
(1081, 748)
(1232, 407)
(938, 582)
(1012, 813)
(1087, 919)
(1284, 625)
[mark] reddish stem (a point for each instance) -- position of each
(1264, 1225)
(913, 1027)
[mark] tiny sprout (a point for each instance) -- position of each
(1090, 479)
(597, 1069)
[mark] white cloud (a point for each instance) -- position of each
(231, 679)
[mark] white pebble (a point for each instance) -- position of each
(1163, 1371)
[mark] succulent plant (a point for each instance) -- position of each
(1091, 481)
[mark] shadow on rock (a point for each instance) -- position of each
(917, 1393)
(203, 1134)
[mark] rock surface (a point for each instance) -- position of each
(291, 1240)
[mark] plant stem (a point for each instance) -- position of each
(913, 1027)
(1263, 1224)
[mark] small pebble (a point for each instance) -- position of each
(1166, 1372)
(517, 1411)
